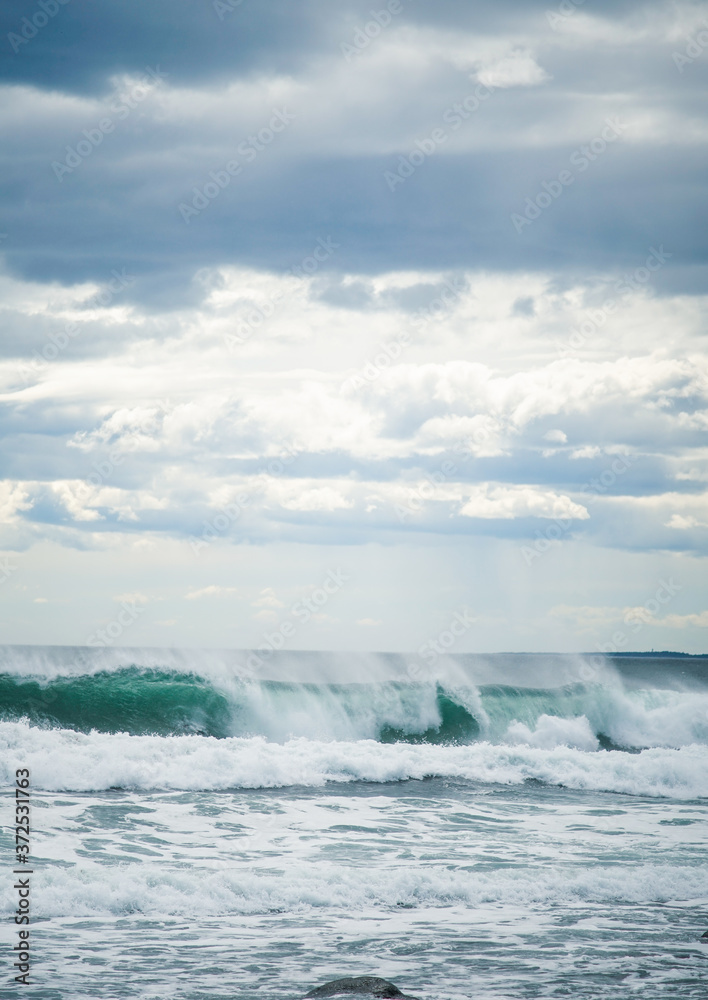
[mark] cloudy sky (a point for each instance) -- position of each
(348, 330)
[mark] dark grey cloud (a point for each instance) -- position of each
(119, 207)
(82, 45)
(454, 212)
(37, 342)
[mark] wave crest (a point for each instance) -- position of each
(150, 701)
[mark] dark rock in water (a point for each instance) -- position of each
(704, 938)
(360, 986)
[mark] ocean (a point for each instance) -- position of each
(497, 827)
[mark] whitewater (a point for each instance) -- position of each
(494, 826)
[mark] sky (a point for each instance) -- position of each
(331, 326)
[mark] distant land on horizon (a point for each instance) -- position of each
(236, 649)
(655, 652)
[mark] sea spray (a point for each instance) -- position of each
(167, 702)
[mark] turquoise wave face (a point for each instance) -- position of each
(131, 700)
(157, 701)
(457, 725)
(165, 703)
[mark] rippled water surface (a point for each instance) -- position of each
(438, 885)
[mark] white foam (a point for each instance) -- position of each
(637, 718)
(67, 760)
(650, 717)
(551, 732)
(201, 892)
